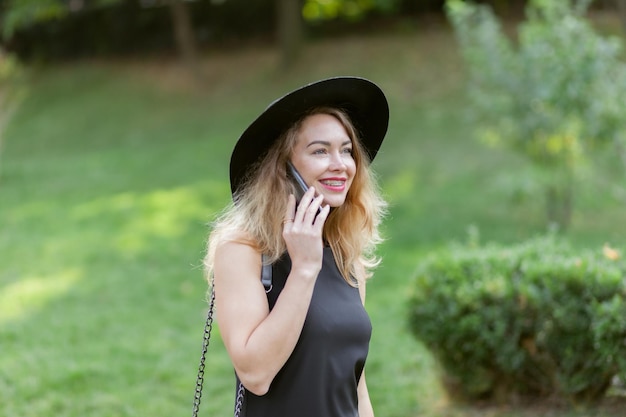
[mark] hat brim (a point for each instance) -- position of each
(363, 101)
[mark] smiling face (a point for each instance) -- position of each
(323, 154)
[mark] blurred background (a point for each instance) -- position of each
(117, 119)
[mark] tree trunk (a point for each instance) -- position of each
(289, 20)
(184, 36)
(621, 6)
(2, 122)
(6, 110)
(10, 96)
(559, 200)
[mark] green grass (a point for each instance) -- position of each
(112, 172)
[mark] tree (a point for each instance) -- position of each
(554, 97)
(289, 29)
(19, 14)
(184, 36)
(11, 91)
(621, 6)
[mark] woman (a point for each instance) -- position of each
(300, 348)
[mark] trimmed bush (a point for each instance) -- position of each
(537, 319)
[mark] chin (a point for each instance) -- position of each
(335, 202)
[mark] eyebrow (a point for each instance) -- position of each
(326, 143)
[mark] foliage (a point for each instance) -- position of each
(319, 10)
(538, 318)
(23, 13)
(132, 27)
(20, 13)
(554, 96)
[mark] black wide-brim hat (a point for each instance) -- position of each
(363, 101)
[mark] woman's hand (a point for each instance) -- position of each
(302, 231)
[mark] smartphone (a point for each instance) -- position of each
(301, 186)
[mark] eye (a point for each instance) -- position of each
(347, 150)
(319, 151)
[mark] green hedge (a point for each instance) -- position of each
(537, 319)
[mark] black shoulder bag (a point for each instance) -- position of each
(266, 279)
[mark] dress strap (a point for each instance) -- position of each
(266, 273)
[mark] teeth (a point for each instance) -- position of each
(333, 183)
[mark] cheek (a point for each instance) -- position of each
(351, 168)
(308, 168)
(312, 167)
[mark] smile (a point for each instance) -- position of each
(334, 184)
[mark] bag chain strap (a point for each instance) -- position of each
(205, 345)
(239, 403)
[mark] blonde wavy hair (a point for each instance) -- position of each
(255, 217)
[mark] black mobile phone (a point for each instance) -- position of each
(297, 179)
(301, 186)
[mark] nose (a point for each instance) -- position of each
(336, 162)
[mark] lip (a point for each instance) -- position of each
(335, 188)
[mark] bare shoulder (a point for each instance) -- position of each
(236, 259)
(236, 244)
(231, 247)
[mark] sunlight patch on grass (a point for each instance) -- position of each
(145, 216)
(21, 297)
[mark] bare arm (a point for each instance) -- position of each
(365, 404)
(258, 341)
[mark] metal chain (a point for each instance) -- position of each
(205, 345)
(239, 403)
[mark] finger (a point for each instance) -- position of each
(290, 212)
(321, 217)
(305, 202)
(313, 209)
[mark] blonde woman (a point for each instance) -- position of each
(300, 349)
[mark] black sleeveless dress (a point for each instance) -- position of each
(320, 377)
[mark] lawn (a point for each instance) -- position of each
(112, 171)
